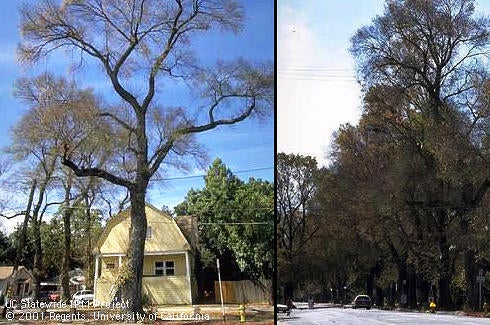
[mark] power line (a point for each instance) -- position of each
(317, 68)
(317, 73)
(203, 175)
(318, 77)
(156, 179)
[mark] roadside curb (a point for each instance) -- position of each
(304, 306)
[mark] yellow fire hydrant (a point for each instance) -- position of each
(432, 306)
(241, 312)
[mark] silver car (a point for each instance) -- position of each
(83, 296)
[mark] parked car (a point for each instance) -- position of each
(283, 309)
(83, 296)
(362, 301)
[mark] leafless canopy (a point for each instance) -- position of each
(147, 39)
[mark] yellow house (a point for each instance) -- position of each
(167, 264)
(17, 284)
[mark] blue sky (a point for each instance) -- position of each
(317, 90)
(247, 148)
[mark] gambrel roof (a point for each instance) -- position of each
(166, 235)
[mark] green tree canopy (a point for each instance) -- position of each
(235, 217)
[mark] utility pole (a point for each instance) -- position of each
(221, 291)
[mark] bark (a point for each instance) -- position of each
(289, 290)
(379, 297)
(411, 287)
(393, 298)
(445, 264)
(402, 281)
(36, 219)
(133, 287)
(37, 272)
(423, 290)
(23, 232)
(445, 300)
(370, 283)
(88, 234)
(470, 271)
(67, 213)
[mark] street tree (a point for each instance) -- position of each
(432, 53)
(55, 119)
(235, 219)
(296, 221)
(41, 177)
(147, 41)
(38, 167)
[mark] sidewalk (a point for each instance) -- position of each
(188, 314)
(253, 312)
(304, 305)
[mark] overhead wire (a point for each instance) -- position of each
(328, 74)
(203, 175)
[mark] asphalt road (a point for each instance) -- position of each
(340, 316)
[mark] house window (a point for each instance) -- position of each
(169, 268)
(111, 265)
(148, 233)
(165, 268)
(159, 268)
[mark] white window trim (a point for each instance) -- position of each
(164, 268)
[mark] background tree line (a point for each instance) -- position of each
(403, 204)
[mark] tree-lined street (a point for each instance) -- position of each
(401, 213)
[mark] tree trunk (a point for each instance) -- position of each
(402, 282)
(36, 231)
(411, 287)
(379, 297)
(89, 262)
(370, 282)
(445, 301)
(23, 232)
(445, 263)
(289, 290)
(393, 294)
(65, 267)
(38, 264)
(470, 271)
(132, 289)
(423, 289)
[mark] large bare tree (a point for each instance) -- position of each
(147, 41)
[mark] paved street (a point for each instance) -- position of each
(367, 317)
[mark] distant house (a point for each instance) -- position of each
(168, 259)
(19, 284)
